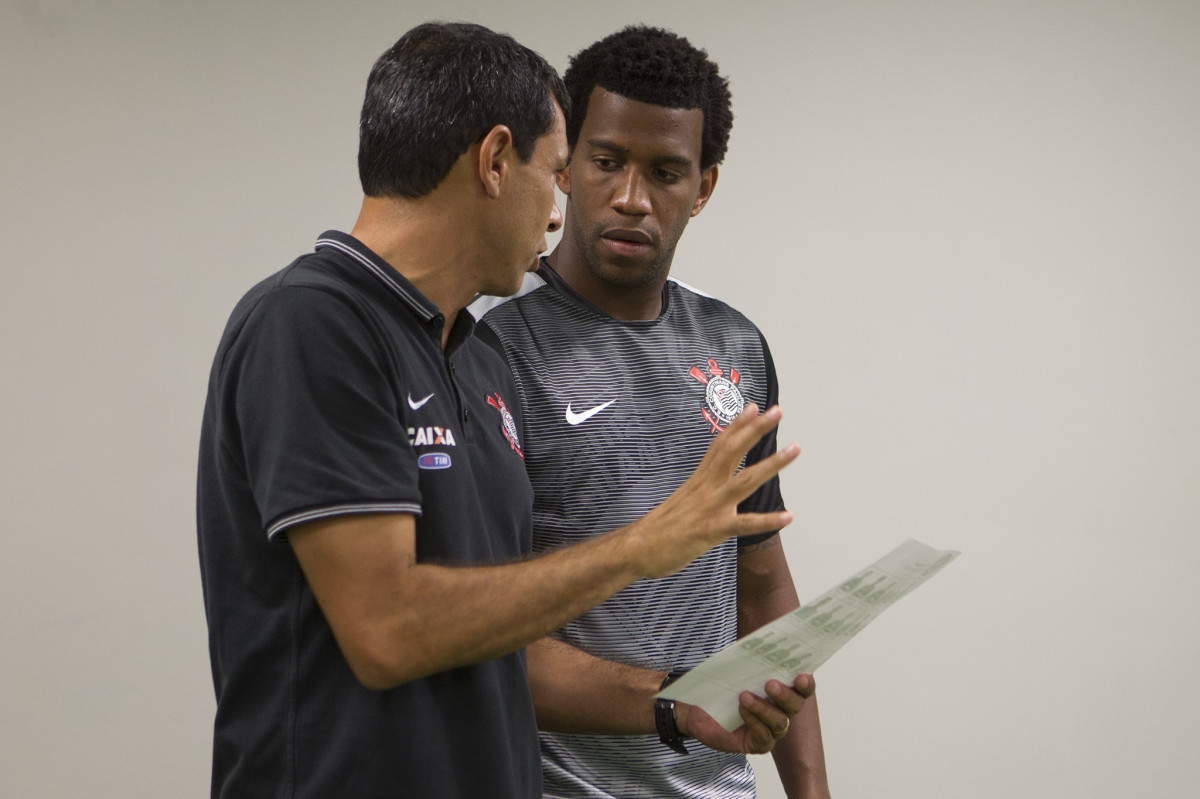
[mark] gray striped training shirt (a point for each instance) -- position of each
(618, 414)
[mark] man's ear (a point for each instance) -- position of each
(495, 152)
(563, 179)
(708, 182)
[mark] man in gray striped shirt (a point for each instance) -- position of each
(625, 376)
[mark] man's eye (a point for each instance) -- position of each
(605, 163)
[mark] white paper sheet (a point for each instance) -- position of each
(800, 641)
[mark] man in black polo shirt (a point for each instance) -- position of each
(363, 510)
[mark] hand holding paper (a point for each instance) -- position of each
(802, 640)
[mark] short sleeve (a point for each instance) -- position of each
(313, 416)
(768, 498)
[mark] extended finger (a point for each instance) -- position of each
(747, 481)
(744, 524)
(743, 433)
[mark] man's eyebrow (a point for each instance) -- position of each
(605, 144)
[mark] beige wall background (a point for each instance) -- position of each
(970, 232)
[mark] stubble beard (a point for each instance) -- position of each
(626, 279)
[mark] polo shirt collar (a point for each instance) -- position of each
(346, 244)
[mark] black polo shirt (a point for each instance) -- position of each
(330, 394)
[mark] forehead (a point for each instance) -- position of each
(642, 127)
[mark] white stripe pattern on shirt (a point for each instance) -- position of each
(612, 468)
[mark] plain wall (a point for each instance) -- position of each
(971, 233)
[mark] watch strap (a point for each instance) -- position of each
(664, 718)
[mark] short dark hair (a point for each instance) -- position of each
(656, 66)
(439, 89)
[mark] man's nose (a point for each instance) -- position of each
(631, 197)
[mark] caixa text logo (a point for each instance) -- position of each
(434, 460)
(431, 436)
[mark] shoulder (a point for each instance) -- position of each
(295, 295)
(512, 323)
(315, 271)
(705, 308)
(301, 305)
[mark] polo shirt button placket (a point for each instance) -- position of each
(466, 410)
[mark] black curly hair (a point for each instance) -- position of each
(656, 66)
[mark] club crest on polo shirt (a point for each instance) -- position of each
(508, 425)
(723, 400)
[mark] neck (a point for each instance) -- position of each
(417, 238)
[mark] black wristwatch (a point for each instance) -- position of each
(664, 718)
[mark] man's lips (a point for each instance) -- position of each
(632, 235)
(626, 241)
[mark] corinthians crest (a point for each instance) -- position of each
(508, 425)
(721, 394)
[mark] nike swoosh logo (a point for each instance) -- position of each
(578, 418)
(418, 403)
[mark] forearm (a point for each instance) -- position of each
(574, 691)
(800, 756)
(765, 587)
(577, 692)
(441, 617)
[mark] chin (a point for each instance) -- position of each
(508, 290)
(629, 277)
